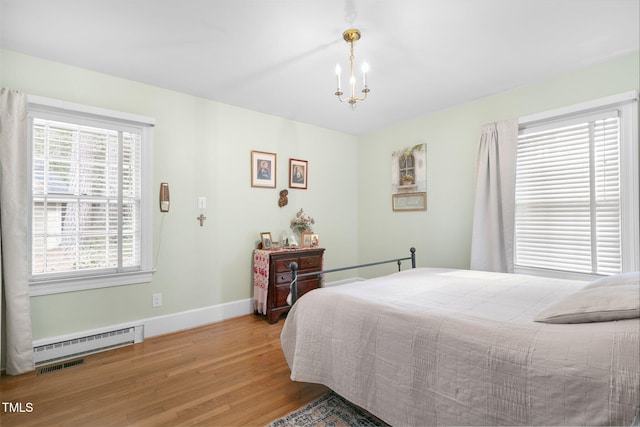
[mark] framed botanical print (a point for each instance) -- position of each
(298, 173)
(263, 169)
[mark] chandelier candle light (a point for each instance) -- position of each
(351, 36)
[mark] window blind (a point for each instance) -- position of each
(86, 195)
(567, 214)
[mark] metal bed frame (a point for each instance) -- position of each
(294, 271)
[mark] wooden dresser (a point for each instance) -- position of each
(309, 260)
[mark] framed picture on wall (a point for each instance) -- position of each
(409, 202)
(263, 169)
(409, 169)
(298, 173)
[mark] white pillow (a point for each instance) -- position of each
(618, 279)
(594, 305)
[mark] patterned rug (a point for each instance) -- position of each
(329, 410)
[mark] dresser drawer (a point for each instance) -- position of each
(304, 286)
(312, 262)
(282, 265)
(282, 292)
(283, 278)
(307, 285)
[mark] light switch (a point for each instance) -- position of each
(202, 202)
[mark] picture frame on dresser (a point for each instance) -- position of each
(265, 239)
(306, 237)
(263, 169)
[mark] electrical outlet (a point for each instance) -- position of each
(156, 300)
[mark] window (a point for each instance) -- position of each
(576, 191)
(89, 191)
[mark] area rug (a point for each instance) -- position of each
(329, 410)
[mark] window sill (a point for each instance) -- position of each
(63, 285)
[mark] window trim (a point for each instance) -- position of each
(630, 188)
(627, 104)
(52, 284)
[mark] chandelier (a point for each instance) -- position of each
(351, 36)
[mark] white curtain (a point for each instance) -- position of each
(493, 215)
(14, 277)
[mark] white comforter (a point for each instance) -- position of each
(455, 347)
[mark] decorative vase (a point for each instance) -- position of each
(297, 232)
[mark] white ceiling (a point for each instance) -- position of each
(278, 56)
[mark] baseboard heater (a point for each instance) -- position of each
(93, 342)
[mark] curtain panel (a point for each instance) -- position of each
(14, 275)
(493, 215)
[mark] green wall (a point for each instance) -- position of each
(442, 234)
(202, 148)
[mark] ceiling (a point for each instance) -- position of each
(279, 56)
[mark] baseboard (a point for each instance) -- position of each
(189, 319)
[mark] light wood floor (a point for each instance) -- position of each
(231, 373)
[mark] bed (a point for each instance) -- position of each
(430, 346)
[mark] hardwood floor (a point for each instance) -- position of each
(231, 373)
